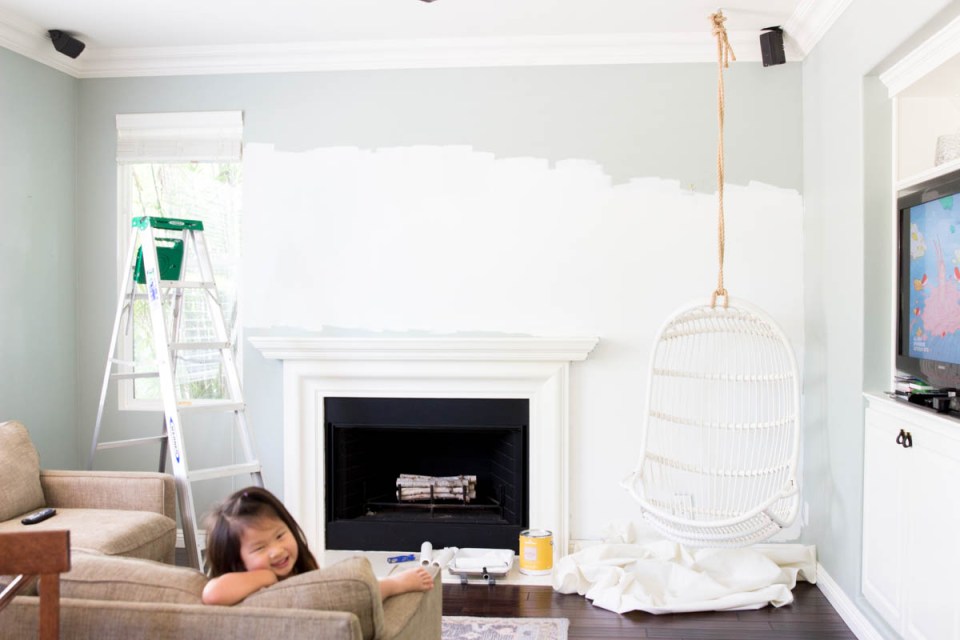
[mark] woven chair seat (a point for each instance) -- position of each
(721, 430)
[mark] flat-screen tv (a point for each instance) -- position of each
(928, 321)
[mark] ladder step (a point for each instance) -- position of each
(184, 346)
(172, 284)
(224, 472)
(116, 444)
(133, 376)
(187, 284)
(209, 405)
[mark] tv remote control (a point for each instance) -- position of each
(39, 516)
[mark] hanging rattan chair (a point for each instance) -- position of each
(722, 428)
(721, 437)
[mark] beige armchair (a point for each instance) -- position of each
(113, 598)
(108, 512)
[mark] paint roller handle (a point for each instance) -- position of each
(404, 558)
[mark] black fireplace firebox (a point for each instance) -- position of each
(370, 442)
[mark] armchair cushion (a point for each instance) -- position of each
(98, 577)
(126, 490)
(20, 490)
(138, 534)
(349, 586)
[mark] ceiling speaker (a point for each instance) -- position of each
(65, 43)
(771, 46)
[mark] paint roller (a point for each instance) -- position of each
(426, 554)
(444, 556)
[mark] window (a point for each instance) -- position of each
(181, 165)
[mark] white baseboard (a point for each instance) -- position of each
(858, 623)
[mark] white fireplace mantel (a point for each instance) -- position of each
(532, 368)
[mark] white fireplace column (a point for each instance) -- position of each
(536, 369)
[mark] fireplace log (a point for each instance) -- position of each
(421, 493)
(420, 487)
(426, 494)
(437, 491)
(436, 479)
(454, 484)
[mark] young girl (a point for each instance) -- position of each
(254, 542)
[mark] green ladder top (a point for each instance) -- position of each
(174, 224)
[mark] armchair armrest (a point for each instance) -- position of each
(416, 615)
(124, 490)
(348, 586)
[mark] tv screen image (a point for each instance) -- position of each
(934, 283)
(928, 335)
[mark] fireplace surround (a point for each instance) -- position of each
(534, 369)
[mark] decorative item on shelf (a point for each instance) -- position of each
(948, 148)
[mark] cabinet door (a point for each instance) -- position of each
(931, 561)
(883, 539)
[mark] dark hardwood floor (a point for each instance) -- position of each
(809, 617)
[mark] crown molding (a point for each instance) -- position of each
(416, 54)
(803, 30)
(31, 41)
(810, 22)
(935, 51)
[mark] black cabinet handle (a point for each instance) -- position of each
(905, 439)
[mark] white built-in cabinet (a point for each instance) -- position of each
(911, 483)
(911, 518)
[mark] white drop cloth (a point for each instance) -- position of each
(628, 572)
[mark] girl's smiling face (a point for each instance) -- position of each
(267, 543)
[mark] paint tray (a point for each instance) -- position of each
(485, 564)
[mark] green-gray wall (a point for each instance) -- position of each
(38, 276)
(646, 120)
(847, 156)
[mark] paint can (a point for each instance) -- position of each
(536, 552)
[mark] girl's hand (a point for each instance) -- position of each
(231, 588)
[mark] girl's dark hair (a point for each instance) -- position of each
(227, 521)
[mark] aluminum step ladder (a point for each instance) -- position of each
(155, 269)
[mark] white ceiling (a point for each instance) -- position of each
(139, 37)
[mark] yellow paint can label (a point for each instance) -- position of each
(536, 552)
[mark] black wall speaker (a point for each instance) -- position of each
(65, 43)
(771, 46)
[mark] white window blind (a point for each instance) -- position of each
(205, 136)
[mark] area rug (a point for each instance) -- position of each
(471, 628)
